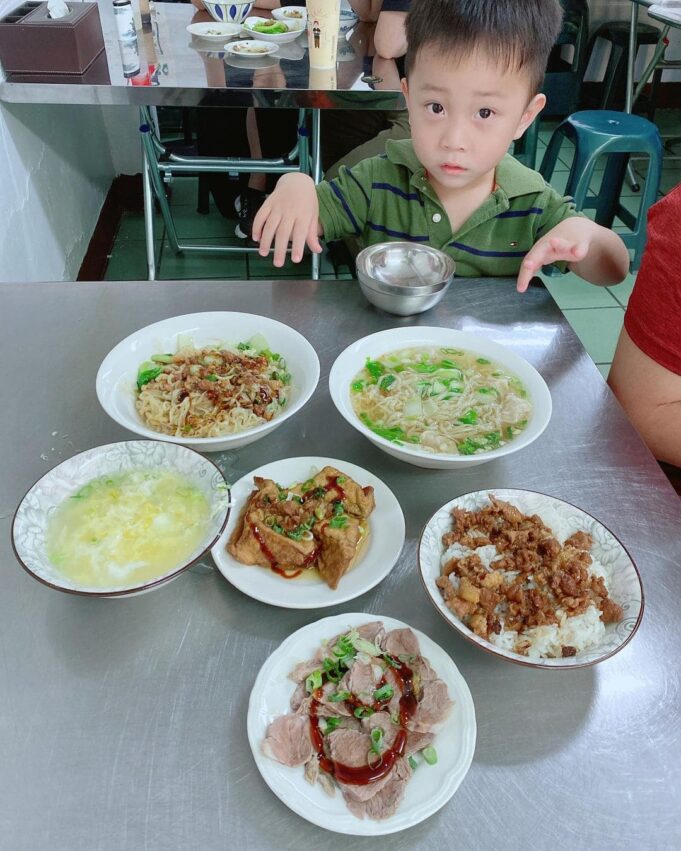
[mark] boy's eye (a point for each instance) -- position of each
(436, 108)
(484, 112)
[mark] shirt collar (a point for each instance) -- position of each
(512, 178)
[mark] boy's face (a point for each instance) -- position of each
(464, 115)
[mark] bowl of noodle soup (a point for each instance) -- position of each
(210, 381)
(439, 398)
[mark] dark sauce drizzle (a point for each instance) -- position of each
(365, 774)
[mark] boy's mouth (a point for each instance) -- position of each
(452, 168)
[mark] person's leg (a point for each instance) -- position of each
(398, 129)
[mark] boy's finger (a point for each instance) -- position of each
(532, 262)
(259, 221)
(580, 250)
(313, 237)
(298, 241)
(281, 241)
(268, 232)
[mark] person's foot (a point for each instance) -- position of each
(247, 205)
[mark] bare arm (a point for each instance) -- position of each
(368, 10)
(199, 4)
(651, 396)
(594, 253)
(390, 37)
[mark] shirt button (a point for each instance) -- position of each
(437, 217)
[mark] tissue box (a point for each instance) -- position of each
(31, 42)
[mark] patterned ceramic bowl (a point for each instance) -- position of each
(622, 577)
(31, 519)
(232, 13)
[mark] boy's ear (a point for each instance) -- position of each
(404, 85)
(532, 110)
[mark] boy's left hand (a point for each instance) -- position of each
(549, 250)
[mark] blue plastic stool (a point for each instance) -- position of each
(617, 135)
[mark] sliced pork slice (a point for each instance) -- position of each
(387, 799)
(432, 709)
(288, 740)
(401, 642)
(362, 680)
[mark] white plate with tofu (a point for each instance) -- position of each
(280, 582)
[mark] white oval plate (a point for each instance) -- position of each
(240, 48)
(283, 14)
(431, 786)
(296, 28)
(386, 538)
(204, 30)
(625, 583)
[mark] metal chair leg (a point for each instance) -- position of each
(148, 220)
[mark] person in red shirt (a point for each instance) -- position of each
(646, 371)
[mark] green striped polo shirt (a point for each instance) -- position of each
(390, 198)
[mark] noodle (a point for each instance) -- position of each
(212, 391)
(441, 400)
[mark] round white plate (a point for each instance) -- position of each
(625, 584)
(431, 786)
(296, 28)
(207, 29)
(383, 548)
(240, 48)
(251, 63)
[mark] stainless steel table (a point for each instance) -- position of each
(123, 722)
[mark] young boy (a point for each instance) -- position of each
(474, 68)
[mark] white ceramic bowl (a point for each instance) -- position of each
(348, 19)
(296, 28)
(624, 583)
(284, 14)
(244, 49)
(351, 361)
(231, 13)
(213, 33)
(116, 378)
(30, 520)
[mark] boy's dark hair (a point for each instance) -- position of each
(519, 34)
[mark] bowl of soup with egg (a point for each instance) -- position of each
(440, 398)
(120, 519)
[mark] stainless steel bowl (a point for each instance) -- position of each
(404, 278)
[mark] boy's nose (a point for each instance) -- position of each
(453, 137)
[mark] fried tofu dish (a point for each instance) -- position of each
(320, 523)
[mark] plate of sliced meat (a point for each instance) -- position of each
(531, 578)
(309, 532)
(361, 725)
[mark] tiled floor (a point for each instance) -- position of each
(596, 313)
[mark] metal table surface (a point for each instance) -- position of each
(123, 722)
(184, 72)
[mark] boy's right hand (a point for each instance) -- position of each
(290, 213)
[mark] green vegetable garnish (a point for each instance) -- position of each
(340, 480)
(314, 681)
(483, 360)
(386, 381)
(357, 385)
(243, 346)
(374, 368)
(211, 377)
(430, 755)
(412, 762)
(394, 434)
(470, 417)
(331, 724)
(277, 528)
(363, 712)
(376, 739)
(162, 358)
(144, 376)
(339, 522)
(384, 693)
(469, 446)
(339, 696)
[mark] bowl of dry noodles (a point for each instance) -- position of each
(439, 398)
(210, 381)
